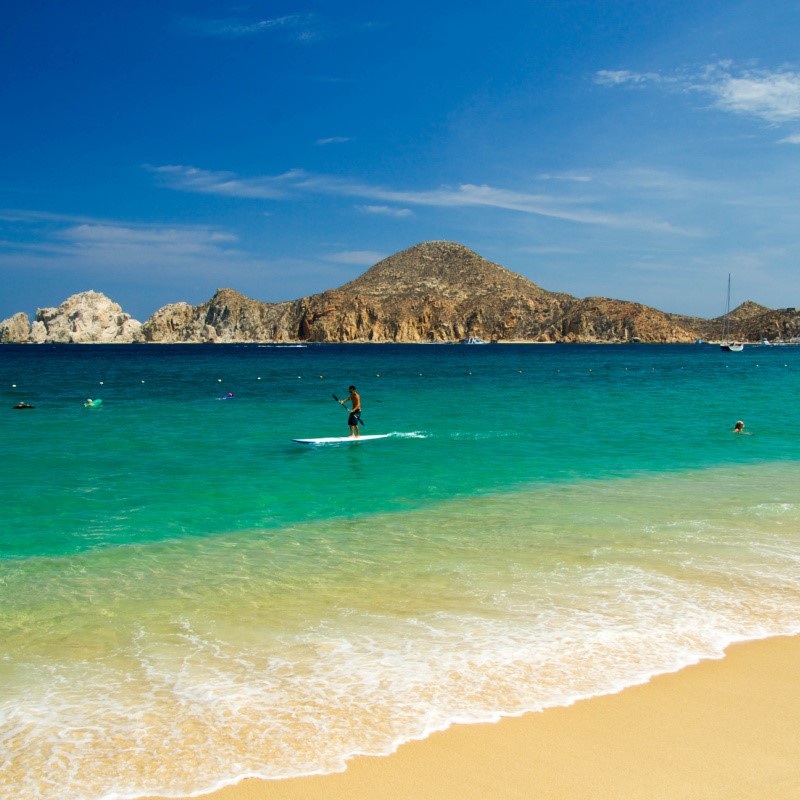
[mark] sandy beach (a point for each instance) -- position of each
(718, 730)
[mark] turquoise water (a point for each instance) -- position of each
(186, 596)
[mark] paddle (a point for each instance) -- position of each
(361, 421)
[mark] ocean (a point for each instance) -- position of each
(188, 597)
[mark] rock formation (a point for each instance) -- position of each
(227, 317)
(432, 292)
(15, 329)
(85, 318)
(441, 291)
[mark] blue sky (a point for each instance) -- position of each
(157, 151)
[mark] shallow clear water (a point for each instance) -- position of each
(186, 596)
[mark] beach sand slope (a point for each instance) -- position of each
(724, 729)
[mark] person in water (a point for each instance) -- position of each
(738, 427)
(355, 411)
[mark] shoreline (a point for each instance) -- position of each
(716, 730)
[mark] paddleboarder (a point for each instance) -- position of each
(355, 411)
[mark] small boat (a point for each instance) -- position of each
(473, 340)
(727, 343)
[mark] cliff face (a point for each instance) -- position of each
(85, 318)
(227, 317)
(432, 292)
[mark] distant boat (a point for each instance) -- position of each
(473, 340)
(727, 343)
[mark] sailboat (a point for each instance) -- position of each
(726, 343)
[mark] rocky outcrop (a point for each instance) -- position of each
(603, 320)
(772, 324)
(227, 317)
(15, 329)
(432, 292)
(85, 318)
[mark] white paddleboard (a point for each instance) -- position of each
(342, 439)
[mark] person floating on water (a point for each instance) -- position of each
(23, 404)
(355, 411)
(92, 403)
(738, 427)
(228, 396)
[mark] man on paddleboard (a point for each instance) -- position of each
(355, 411)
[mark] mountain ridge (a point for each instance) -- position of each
(434, 291)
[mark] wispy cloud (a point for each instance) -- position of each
(772, 96)
(467, 195)
(299, 27)
(566, 176)
(118, 247)
(793, 139)
(387, 211)
(619, 77)
(357, 258)
(104, 238)
(549, 250)
(333, 140)
(191, 179)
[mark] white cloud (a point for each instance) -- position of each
(116, 247)
(609, 77)
(388, 211)
(769, 95)
(358, 258)
(192, 179)
(567, 176)
(334, 140)
(792, 139)
(104, 238)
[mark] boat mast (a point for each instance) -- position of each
(726, 323)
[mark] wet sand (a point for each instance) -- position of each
(719, 730)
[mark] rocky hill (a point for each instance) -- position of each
(227, 317)
(432, 292)
(85, 318)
